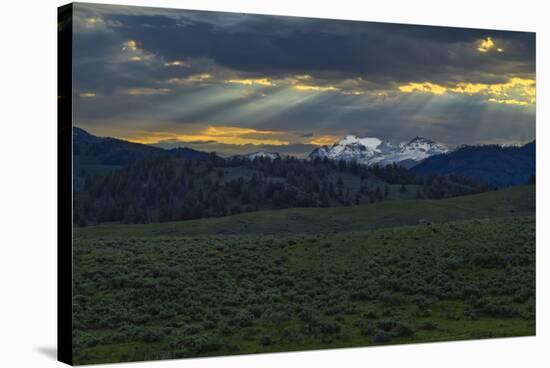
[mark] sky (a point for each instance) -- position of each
(235, 83)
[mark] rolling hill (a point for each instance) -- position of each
(310, 278)
(171, 189)
(492, 164)
(510, 202)
(94, 154)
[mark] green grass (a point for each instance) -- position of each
(305, 279)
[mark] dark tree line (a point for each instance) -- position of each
(171, 188)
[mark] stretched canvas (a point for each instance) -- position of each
(236, 183)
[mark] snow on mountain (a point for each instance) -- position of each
(420, 148)
(261, 154)
(372, 150)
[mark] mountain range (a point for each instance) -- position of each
(117, 152)
(496, 165)
(492, 164)
(370, 150)
(260, 154)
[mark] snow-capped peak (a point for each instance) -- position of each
(261, 154)
(372, 150)
(420, 148)
(370, 142)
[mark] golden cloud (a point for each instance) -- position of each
(260, 81)
(470, 88)
(297, 84)
(92, 21)
(353, 93)
(225, 130)
(305, 83)
(146, 91)
(199, 77)
(515, 89)
(130, 45)
(175, 63)
(487, 45)
(323, 140)
(218, 134)
(132, 52)
(309, 87)
(425, 87)
(190, 79)
(508, 101)
(88, 94)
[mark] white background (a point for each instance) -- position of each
(28, 136)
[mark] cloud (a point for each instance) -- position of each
(524, 89)
(425, 87)
(146, 91)
(323, 140)
(308, 87)
(508, 101)
(219, 134)
(130, 46)
(88, 95)
(487, 45)
(131, 51)
(313, 46)
(93, 21)
(251, 81)
(176, 63)
(197, 78)
(164, 70)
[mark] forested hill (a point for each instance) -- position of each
(169, 188)
(110, 151)
(99, 155)
(492, 164)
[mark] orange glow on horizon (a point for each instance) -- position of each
(325, 140)
(217, 134)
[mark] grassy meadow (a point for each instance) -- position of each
(401, 271)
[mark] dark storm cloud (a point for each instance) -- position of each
(100, 65)
(274, 45)
(457, 120)
(130, 86)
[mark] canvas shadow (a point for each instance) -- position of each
(48, 351)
